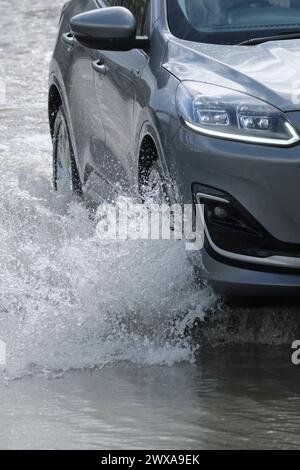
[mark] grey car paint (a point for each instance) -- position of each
(108, 116)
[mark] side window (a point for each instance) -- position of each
(141, 11)
(139, 8)
(114, 3)
(146, 22)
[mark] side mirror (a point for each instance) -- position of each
(111, 29)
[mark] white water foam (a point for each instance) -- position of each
(69, 300)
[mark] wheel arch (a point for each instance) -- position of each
(150, 147)
(54, 103)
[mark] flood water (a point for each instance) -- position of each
(239, 399)
(102, 347)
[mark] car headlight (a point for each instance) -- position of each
(220, 112)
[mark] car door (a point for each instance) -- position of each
(116, 83)
(87, 127)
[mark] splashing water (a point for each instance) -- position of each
(70, 300)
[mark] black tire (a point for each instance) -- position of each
(65, 173)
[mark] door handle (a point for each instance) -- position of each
(100, 67)
(68, 39)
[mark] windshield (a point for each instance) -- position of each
(232, 21)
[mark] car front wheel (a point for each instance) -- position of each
(65, 173)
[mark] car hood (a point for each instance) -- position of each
(269, 71)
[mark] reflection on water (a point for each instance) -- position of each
(259, 321)
(231, 399)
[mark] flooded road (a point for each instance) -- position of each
(240, 400)
(100, 349)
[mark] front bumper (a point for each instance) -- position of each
(266, 182)
(227, 279)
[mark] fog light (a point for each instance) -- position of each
(221, 212)
(229, 225)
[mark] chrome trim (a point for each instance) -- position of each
(273, 261)
(295, 138)
(210, 197)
